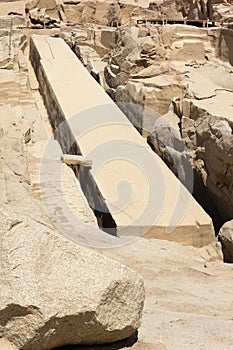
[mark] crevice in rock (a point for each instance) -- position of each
(121, 344)
(63, 134)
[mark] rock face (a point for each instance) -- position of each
(221, 10)
(189, 225)
(10, 7)
(226, 237)
(206, 127)
(136, 50)
(166, 141)
(141, 71)
(54, 292)
(222, 40)
(45, 12)
(175, 95)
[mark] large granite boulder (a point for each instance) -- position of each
(54, 292)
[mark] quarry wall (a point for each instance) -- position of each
(83, 115)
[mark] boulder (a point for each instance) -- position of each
(154, 95)
(38, 16)
(54, 292)
(226, 237)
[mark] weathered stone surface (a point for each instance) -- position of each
(85, 53)
(221, 10)
(45, 12)
(183, 76)
(108, 38)
(99, 12)
(59, 196)
(6, 345)
(151, 71)
(222, 41)
(210, 137)
(226, 238)
(149, 53)
(134, 52)
(205, 123)
(152, 97)
(194, 225)
(177, 278)
(54, 292)
(50, 5)
(16, 7)
(124, 12)
(166, 141)
(189, 51)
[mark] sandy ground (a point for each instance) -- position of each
(189, 299)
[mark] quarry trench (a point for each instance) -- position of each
(203, 196)
(214, 202)
(194, 226)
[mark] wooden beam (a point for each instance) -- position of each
(71, 159)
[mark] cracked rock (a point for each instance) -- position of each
(54, 292)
